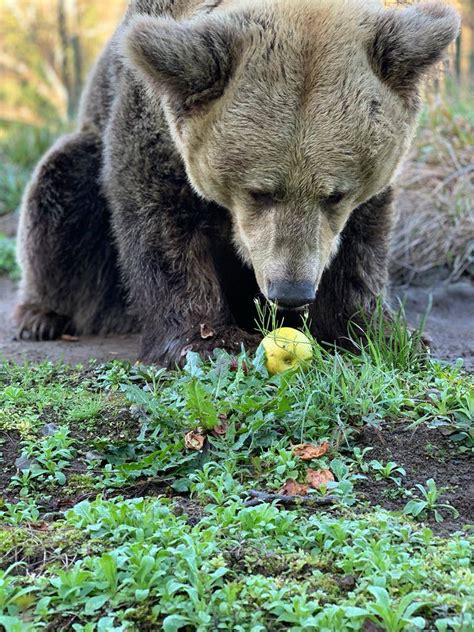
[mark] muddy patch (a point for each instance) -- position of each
(424, 453)
(450, 320)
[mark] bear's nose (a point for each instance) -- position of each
(291, 295)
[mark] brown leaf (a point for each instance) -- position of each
(39, 526)
(316, 478)
(194, 441)
(308, 451)
(206, 331)
(234, 365)
(68, 338)
(221, 428)
(292, 488)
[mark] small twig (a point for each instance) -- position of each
(259, 497)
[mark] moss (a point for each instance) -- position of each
(102, 420)
(141, 618)
(79, 483)
(40, 545)
(88, 409)
(316, 571)
(13, 421)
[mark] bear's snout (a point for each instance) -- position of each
(291, 294)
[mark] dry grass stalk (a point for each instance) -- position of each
(434, 235)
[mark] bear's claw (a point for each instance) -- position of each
(34, 323)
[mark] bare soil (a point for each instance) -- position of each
(424, 453)
(9, 452)
(450, 322)
(79, 352)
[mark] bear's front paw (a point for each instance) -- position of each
(204, 340)
(36, 323)
(230, 338)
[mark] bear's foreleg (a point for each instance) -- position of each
(70, 280)
(173, 285)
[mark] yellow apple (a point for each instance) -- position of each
(286, 348)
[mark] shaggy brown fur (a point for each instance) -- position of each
(227, 147)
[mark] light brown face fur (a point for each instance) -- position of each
(305, 130)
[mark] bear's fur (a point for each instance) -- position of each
(226, 148)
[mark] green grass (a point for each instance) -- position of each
(21, 146)
(8, 265)
(13, 180)
(151, 534)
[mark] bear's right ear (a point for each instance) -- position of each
(190, 60)
(408, 41)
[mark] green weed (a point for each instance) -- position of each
(429, 502)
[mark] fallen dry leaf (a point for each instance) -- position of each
(221, 428)
(68, 338)
(308, 451)
(316, 478)
(194, 441)
(292, 488)
(206, 331)
(39, 526)
(234, 365)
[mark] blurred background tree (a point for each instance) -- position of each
(46, 50)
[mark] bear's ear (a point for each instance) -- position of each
(408, 41)
(190, 60)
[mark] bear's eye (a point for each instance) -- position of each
(335, 198)
(262, 198)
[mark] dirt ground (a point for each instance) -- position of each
(450, 326)
(424, 453)
(80, 352)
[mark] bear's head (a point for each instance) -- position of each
(290, 113)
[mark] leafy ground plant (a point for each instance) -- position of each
(388, 471)
(127, 495)
(429, 502)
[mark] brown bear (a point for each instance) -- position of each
(227, 148)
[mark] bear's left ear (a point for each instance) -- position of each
(408, 41)
(190, 61)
